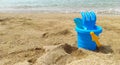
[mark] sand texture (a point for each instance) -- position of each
(50, 39)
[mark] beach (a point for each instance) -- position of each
(51, 39)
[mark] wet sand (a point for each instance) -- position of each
(50, 39)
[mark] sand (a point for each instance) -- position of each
(50, 39)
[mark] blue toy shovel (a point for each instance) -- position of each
(79, 23)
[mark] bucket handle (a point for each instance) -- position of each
(95, 39)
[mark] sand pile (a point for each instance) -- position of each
(60, 55)
(65, 54)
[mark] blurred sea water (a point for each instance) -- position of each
(64, 6)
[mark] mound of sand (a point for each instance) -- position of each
(65, 54)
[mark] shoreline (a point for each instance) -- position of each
(52, 13)
(44, 10)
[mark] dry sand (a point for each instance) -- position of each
(50, 39)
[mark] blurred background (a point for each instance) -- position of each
(64, 6)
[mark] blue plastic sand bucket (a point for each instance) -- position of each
(83, 28)
(84, 38)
